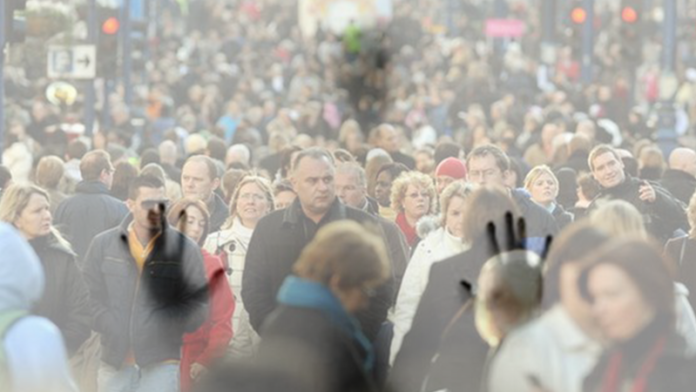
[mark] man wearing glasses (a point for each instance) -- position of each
(91, 210)
(147, 289)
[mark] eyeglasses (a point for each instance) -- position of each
(415, 195)
(151, 204)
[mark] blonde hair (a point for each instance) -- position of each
(401, 184)
(619, 218)
(49, 172)
(455, 189)
(538, 171)
(265, 187)
(347, 250)
(691, 215)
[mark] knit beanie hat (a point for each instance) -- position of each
(451, 167)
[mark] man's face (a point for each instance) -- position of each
(483, 170)
(349, 190)
(146, 209)
(608, 170)
(196, 181)
(389, 140)
(313, 180)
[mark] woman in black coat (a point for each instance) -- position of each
(65, 299)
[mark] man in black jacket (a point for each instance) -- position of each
(663, 214)
(280, 237)
(199, 180)
(147, 289)
(680, 178)
(91, 210)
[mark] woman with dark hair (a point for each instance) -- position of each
(631, 291)
(207, 344)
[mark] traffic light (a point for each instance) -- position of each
(108, 43)
(15, 22)
(631, 31)
(578, 18)
(138, 45)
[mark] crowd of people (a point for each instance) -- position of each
(396, 209)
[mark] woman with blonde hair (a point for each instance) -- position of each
(543, 186)
(412, 197)
(251, 201)
(65, 298)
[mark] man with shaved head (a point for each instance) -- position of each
(680, 178)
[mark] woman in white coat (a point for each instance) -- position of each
(251, 201)
(440, 244)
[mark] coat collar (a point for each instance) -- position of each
(294, 213)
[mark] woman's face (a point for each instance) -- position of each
(416, 201)
(35, 220)
(284, 199)
(252, 204)
(453, 220)
(617, 304)
(195, 224)
(544, 189)
(383, 188)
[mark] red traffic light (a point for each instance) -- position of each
(111, 26)
(578, 15)
(629, 14)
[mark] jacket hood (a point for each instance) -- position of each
(427, 225)
(21, 273)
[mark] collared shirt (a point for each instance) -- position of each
(137, 250)
(552, 349)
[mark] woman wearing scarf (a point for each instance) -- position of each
(412, 197)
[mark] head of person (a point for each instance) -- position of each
(350, 135)
(588, 188)
(384, 181)
(49, 172)
(216, 149)
(313, 175)
(452, 202)
(486, 205)
(509, 293)
(628, 284)
(251, 201)
(191, 217)
(96, 166)
(425, 160)
(26, 207)
(606, 166)
(168, 152)
(586, 128)
(579, 144)
(446, 150)
(542, 184)
(619, 218)
(149, 156)
(283, 194)
(230, 180)
(348, 259)
(375, 159)
(386, 137)
(76, 150)
(238, 153)
(448, 171)
(683, 159)
(413, 194)
(691, 215)
(147, 202)
(199, 178)
(287, 156)
(651, 163)
(488, 165)
(351, 184)
(124, 174)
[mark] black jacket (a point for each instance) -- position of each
(562, 217)
(149, 311)
(680, 184)
(219, 212)
(307, 339)
(65, 300)
(276, 245)
(540, 223)
(89, 212)
(661, 217)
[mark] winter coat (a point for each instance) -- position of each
(276, 245)
(210, 341)
(89, 212)
(147, 312)
(65, 299)
(436, 246)
(662, 217)
(539, 221)
(219, 212)
(680, 184)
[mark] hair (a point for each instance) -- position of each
(355, 170)
(277, 141)
(154, 169)
(455, 189)
(262, 183)
(177, 215)
(579, 143)
(652, 159)
(124, 174)
(209, 163)
(76, 149)
(691, 215)
(501, 159)
(282, 186)
(143, 181)
(149, 156)
(589, 186)
(376, 133)
(347, 250)
(93, 164)
(619, 218)
(342, 156)
(601, 150)
(49, 172)
(314, 153)
(286, 160)
(348, 126)
(217, 149)
(645, 265)
(485, 205)
(230, 180)
(446, 150)
(571, 246)
(5, 176)
(538, 171)
(400, 186)
(375, 166)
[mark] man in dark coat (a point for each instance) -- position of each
(280, 237)
(680, 178)
(386, 137)
(199, 180)
(663, 214)
(91, 210)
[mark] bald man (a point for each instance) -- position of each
(680, 178)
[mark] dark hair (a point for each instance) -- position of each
(124, 174)
(630, 166)
(285, 159)
(149, 156)
(282, 186)
(5, 177)
(143, 181)
(589, 186)
(501, 159)
(446, 150)
(487, 205)
(93, 164)
(76, 149)
(393, 169)
(217, 149)
(567, 187)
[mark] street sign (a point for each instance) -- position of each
(505, 28)
(72, 62)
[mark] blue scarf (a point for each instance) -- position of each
(303, 293)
